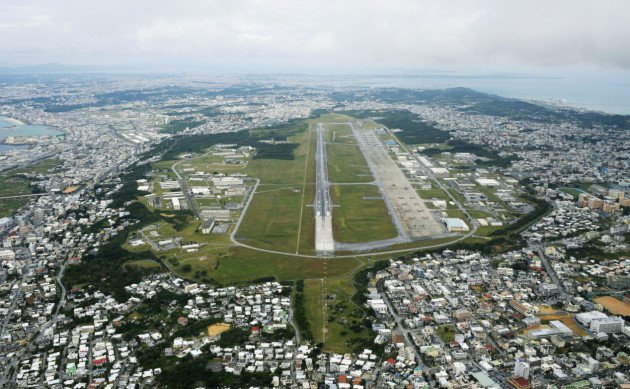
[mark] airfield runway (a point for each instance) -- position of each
(324, 242)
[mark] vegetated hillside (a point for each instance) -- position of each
(178, 125)
(402, 95)
(522, 110)
(442, 96)
(414, 130)
(471, 101)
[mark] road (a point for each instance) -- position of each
(15, 359)
(192, 205)
(291, 321)
(405, 332)
(243, 212)
(16, 296)
(550, 271)
(24, 195)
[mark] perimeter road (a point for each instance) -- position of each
(242, 216)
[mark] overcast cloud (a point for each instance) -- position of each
(344, 35)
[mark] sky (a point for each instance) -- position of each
(320, 36)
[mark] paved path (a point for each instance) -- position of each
(24, 195)
(243, 212)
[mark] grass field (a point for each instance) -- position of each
(347, 164)
(144, 264)
(446, 333)
(340, 133)
(478, 214)
(40, 167)
(344, 317)
(361, 215)
(11, 184)
(279, 209)
(272, 220)
(575, 192)
(241, 265)
(433, 193)
(345, 159)
(314, 306)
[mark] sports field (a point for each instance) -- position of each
(613, 305)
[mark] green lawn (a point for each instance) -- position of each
(360, 215)
(478, 214)
(446, 333)
(238, 265)
(272, 220)
(11, 184)
(433, 193)
(575, 192)
(340, 133)
(456, 213)
(346, 331)
(144, 264)
(41, 167)
(279, 206)
(487, 230)
(347, 164)
(314, 306)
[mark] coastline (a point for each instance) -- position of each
(16, 122)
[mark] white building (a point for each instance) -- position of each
(607, 325)
(7, 255)
(587, 317)
(454, 224)
(521, 368)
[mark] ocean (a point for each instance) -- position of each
(610, 95)
(8, 128)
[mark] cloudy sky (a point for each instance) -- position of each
(320, 35)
